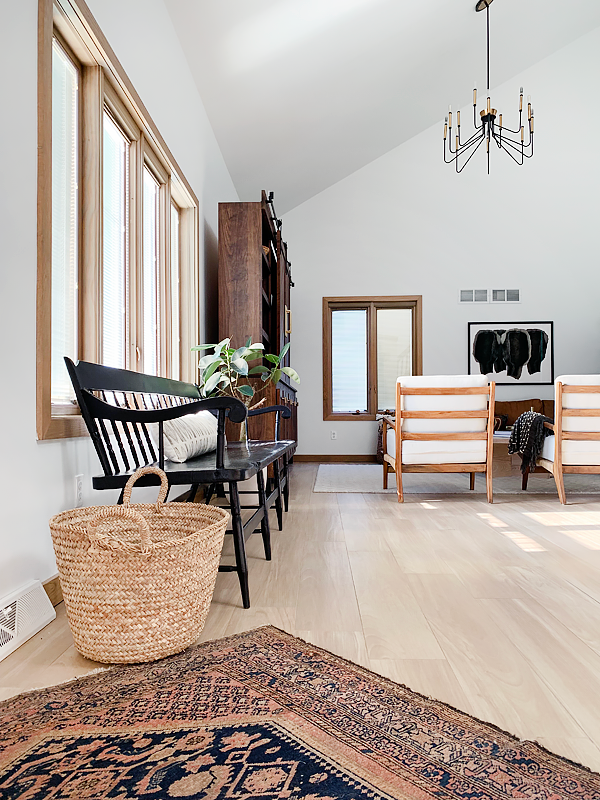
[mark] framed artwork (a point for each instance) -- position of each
(512, 353)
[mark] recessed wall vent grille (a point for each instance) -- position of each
(473, 296)
(506, 295)
(22, 615)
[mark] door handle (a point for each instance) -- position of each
(288, 326)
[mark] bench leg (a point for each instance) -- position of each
(238, 543)
(265, 528)
(524, 480)
(278, 503)
(209, 493)
(286, 485)
(192, 495)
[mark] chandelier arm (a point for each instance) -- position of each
(458, 171)
(507, 145)
(473, 138)
(471, 143)
(510, 130)
(514, 158)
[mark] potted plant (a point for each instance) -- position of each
(226, 371)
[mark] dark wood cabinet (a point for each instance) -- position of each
(255, 281)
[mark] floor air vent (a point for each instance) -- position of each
(22, 615)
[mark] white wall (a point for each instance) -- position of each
(37, 478)
(407, 224)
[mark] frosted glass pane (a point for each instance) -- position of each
(394, 352)
(175, 289)
(349, 360)
(115, 244)
(65, 216)
(150, 315)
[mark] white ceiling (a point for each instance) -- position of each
(301, 93)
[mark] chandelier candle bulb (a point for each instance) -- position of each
(446, 129)
(450, 120)
(458, 119)
(475, 96)
(500, 120)
(522, 133)
(489, 105)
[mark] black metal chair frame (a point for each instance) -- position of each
(120, 404)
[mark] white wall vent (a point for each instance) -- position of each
(22, 615)
(473, 296)
(506, 295)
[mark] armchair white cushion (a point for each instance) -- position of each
(577, 453)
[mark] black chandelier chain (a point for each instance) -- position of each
(488, 130)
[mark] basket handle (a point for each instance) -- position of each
(113, 542)
(164, 485)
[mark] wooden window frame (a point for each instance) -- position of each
(370, 304)
(104, 82)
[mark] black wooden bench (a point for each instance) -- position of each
(117, 406)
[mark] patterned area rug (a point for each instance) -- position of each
(368, 479)
(263, 715)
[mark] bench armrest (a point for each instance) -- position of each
(283, 410)
(235, 409)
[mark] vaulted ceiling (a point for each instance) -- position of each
(301, 93)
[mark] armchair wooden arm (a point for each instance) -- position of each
(549, 425)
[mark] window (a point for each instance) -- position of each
(368, 342)
(117, 222)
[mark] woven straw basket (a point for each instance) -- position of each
(138, 579)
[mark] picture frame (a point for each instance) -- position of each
(512, 353)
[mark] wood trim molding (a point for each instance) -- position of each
(53, 589)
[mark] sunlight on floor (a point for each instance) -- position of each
(524, 542)
(555, 518)
(493, 521)
(589, 539)
(428, 505)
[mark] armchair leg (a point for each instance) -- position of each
(488, 485)
(525, 479)
(472, 481)
(399, 487)
(560, 484)
(264, 523)
(385, 475)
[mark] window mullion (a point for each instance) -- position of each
(372, 358)
(164, 287)
(136, 322)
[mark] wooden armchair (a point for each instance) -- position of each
(574, 447)
(443, 423)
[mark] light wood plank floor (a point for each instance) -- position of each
(493, 609)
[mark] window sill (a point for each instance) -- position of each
(63, 427)
(362, 417)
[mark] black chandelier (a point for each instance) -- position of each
(488, 131)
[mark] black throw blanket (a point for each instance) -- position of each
(527, 438)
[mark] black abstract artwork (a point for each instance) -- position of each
(517, 352)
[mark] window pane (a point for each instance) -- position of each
(115, 272)
(394, 352)
(349, 360)
(150, 314)
(65, 219)
(175, 270)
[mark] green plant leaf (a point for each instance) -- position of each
(248, 340)
(252, 355)
(222, 344)
(206, 361)
(291, 373)
(225, 380)
(258, 370)
(203, 346)
(246, 390)
(273, 359)
(240, 353)
(210, 370)
(276, 376)
(211, 384)
(284, 350)
(240, 366)
(256, 346)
